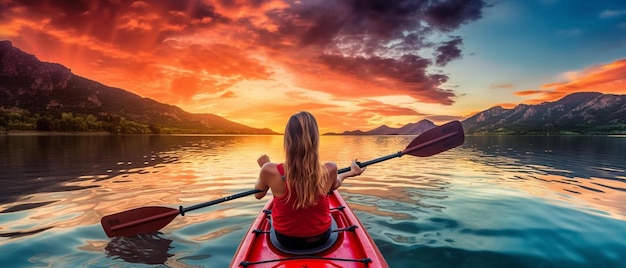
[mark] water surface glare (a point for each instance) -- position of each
(493, 202)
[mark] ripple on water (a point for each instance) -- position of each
(493, 202)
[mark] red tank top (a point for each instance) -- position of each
(306, 222)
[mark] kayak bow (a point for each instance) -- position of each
(353, 246)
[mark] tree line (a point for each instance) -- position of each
(22, 120)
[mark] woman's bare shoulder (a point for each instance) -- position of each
(271, 176)
(270, 168)
(331, 167)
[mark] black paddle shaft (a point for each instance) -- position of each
(217, 201)
(373, 161)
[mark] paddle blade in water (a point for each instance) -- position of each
(138, 221)
(437, 140)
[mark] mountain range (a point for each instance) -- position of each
(37, 95)
(577, 113)
(408, 129)
(31, 89)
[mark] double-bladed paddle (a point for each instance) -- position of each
(151, 219)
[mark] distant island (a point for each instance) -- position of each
(409, 129)
(48, 97)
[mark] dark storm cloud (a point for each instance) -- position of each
(379, 37)
(450, 15)
(407, 74)
(407, 69)
(322, 22)
(449, 51)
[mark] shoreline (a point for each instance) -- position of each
(53, 133)
(104, 133)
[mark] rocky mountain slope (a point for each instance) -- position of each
(27, 84)
(577, 113)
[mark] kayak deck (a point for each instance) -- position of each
(353, 248)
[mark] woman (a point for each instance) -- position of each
(301, 217)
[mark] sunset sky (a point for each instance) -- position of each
(354, 64)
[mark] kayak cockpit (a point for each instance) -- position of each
(351, 247)
(328, 243)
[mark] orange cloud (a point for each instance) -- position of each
(528, 92)
(228, 94)
(374, 76)
(606, 78)
(378, 108)
(186, 86)
(195, 53)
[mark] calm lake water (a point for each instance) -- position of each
(492, 202)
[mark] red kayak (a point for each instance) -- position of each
(349, 245)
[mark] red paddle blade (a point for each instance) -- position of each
(138, 221)
(437, 140)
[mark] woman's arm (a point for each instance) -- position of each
(261, 183)
(355, 170)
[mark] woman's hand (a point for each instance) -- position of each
(355, 170)
(262, 160)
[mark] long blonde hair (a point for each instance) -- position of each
(305, 174)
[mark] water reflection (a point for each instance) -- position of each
(587, 171)
(586, 156)
(44, 163)
(75, 180)
(490, 195)
(145, 248)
